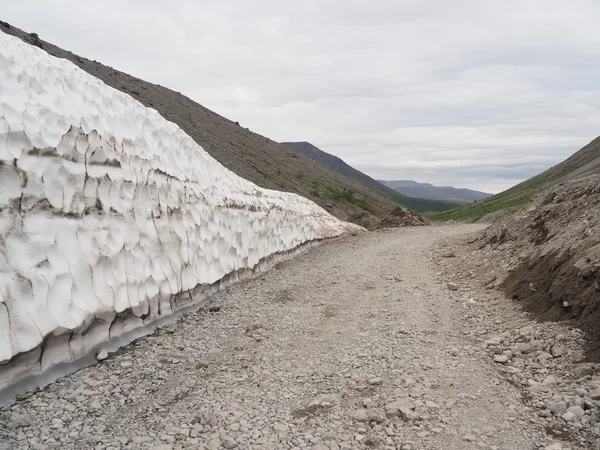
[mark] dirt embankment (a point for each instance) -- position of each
(547, 256)
(402, 217)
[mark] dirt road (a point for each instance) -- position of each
(355, 344)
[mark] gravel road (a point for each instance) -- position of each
(355, 344)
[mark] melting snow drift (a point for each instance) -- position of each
(108, 212)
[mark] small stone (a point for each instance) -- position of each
(452, 286)
(320, 447)
(375, 381)
(594, 394)
(583, 371)
(369, 415)
(558, 350)
(555, 446)
(544, 356)
(558, 408)
(501, 359)
(213, 309)
(162, 447)
(18, 421)
(228, 442)
(550, 380)
(469, 438)
(102, 355)
(577, 411)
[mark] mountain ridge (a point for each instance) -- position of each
(339, 165)
(413, 188)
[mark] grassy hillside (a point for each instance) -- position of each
(340, 166)
(250, 155)
(585, 162)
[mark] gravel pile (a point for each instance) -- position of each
(402, 217)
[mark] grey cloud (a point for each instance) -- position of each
(468, 93)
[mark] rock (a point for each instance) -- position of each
(393, 409)
(361, 415)
(544, 356)
(449, 254)
(320, 447)
(558, 408)
(214, 308)
(452, 286)
(469, 438)
(550, 380)
(402, 217)
(555, 446)
(558, 350)
(18, 421)
(228, 442)
(369, 415)
(375, 381)
(101, 355)
(57, 423)
(360, 218)
(577, 412)
(501, 359)
(162, 447)
(583, 371)
(36, 446)
(594, 394)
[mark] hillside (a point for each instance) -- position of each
(340, 166)
(550, 255)
(252, 156)
(585, 162)
(425, 190)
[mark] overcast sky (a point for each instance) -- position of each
(479, 94)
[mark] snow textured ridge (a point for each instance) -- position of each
(108, 208)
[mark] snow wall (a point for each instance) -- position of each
(109, 213)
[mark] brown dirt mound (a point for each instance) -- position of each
(553, 252)
(402, 217)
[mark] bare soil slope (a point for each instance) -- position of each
(550, 255)
(250, 155)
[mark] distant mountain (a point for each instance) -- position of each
(426, 190)
(341, 167)
(584, 162)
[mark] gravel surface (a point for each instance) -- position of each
(357, 344)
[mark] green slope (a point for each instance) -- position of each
(585, 162)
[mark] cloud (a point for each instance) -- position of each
(467, 93)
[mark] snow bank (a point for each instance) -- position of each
(108, 211)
